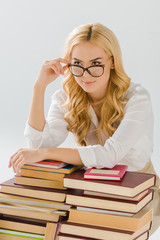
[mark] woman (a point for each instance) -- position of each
(110, 117)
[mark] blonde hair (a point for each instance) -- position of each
(78, 115)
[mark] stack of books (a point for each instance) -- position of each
(107, 209)
(32, 203)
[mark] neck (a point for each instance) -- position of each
(96, 101)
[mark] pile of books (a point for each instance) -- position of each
(32, 203)
(52, 200)
(107, 209)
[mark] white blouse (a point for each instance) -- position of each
(131, 144)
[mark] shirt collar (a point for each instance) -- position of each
(94, 116)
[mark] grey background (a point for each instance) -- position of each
(33, 31)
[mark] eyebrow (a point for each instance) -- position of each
(90, 60)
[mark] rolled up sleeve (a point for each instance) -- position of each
(55, 129)
(138, 112)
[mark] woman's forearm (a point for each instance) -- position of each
(68, 155)
(36, 116)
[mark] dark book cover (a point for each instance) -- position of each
(130, 179)
(25, 220)
(79, 193)
(131, 185)
(132, 207)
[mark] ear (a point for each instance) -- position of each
(112, 63)
(112, 66)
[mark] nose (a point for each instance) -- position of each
(86, 73)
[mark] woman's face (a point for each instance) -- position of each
(88, 54)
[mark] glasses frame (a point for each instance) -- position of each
(86, 69)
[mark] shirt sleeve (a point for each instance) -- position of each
(55, 129)
(132, 127)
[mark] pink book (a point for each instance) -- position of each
(116, 173)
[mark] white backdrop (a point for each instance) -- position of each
(33, 31)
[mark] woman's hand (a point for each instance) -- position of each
(24, 156)
(50, 70)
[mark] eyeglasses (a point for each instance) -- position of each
(94, 71)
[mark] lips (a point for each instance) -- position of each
(88, 83)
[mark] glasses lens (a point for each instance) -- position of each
(77, 71)
(96, 71)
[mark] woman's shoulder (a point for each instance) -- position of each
(137, 91)
(59, 96)
(138, 98)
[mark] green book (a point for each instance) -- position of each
(20, 234)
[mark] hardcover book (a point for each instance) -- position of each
(128, 223)
(18, 229)
(129, 206)
(65, 236)
(39, 182)
(106, 195)
(116, 173)
(66, 169)
(49, 164)
(23, 224)
(18, 234)
(24, 172)
(99, 232)
(51, 215)
(10, 187)
(33, 202)
(131, 185)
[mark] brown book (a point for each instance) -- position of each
(23, 224)
(129, 223)
(47, 229)
(78, 199)
(16, 200)
(96, 210)
(66, 170)
(11, 237)
(24, 172)
(131, 185)
(10, 187)
(64, 236)
(39, 182)
(94, 232)
(52, 215)
(34, 226)
(20, 234)
(106, 195)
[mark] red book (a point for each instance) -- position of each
(49, 164)
(116, 173)
(132, 184)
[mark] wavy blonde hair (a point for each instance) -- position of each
(111, 107)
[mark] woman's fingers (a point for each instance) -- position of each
(56, 65)
(65, 68)
(13, 157)
(19, 165)
(16, 158)
(54, 68)
(62, 60)
(24, 156)
(19, 161)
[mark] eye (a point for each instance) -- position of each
(76, 63)
(96, 63)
